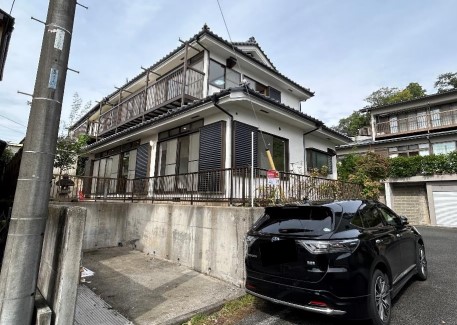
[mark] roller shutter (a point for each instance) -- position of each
(445, 208)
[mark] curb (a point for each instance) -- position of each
(204, 310)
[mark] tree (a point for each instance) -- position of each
(386, 95)
(381, 96)
(446, 82)
(351, 124)
(76, 112)
(67, 151)
(369, 170)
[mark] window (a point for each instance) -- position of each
(435, 117)
(371, 217)
(222, 77)
(232, 78)
(393, 124)
(389, 217)
(316, 159)
(421, 149)
(279, 149)
(443, 148)
(216, 75)
(255, 85)
(274, 94)
(179, 156)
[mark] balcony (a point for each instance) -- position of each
(434, 120)
(168, 92)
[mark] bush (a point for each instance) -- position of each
(423, 165)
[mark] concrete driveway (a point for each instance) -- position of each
(432, 302)
(147, 290)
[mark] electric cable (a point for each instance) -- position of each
(241, 70)
(12, 120)
(12, 6)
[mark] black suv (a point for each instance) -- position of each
(345, 258)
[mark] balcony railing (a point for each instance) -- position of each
(168, 92)
(232, 186)
(427, 121)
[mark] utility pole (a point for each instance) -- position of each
(30, 210)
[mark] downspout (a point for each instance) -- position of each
(215, 99)
(318, 126)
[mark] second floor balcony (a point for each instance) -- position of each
(435, 119)
(170, 91)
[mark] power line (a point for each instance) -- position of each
(21, 132)
(241, 70)
(12, 120)
(12, 6)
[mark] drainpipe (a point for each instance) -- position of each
(215, 99)
(318, 126)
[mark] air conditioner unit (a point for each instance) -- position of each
(366, 131)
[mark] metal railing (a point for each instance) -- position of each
(232, 186)
(432, 120)
(168, 89)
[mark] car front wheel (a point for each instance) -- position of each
(421, 263)
(380, 300)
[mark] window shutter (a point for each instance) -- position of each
(212, 149)
(212, 138)
(142, 156)
(242, 144)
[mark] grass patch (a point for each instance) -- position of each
(230, 313)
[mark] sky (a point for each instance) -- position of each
(341, 50)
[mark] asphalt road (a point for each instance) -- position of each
(432, 302)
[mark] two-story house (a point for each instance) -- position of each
(208, 105)
(421, 126)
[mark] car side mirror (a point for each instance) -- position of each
(403, 220)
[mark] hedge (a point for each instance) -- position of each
(423, 165)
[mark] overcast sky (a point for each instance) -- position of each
(341, 50)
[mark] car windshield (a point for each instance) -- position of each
(299, 220)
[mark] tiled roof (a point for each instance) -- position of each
(252, 42)
(205, 31)
(418, 99)
(179, 110)
(411, 137)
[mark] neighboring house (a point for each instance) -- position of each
(196, 110)
(6, 29)
(421, 126)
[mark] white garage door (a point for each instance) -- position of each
(445, 208)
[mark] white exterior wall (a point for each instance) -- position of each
(152, 140)
(287, 97)
(311, 141)
(277, 128)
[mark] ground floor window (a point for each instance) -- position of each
(279, 149)
(421, 149)
(179, 155)
(316, 159)
(443, 148)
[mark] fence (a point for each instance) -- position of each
(232, 186)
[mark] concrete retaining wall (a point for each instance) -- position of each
(206, 239)
(58, 277)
